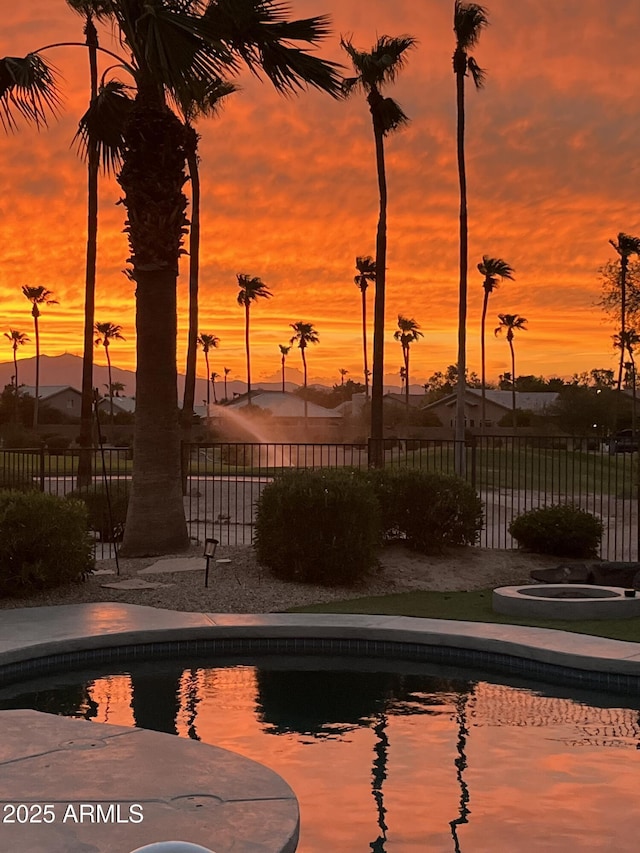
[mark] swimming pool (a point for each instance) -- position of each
(391, 757)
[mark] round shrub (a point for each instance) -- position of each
(429, 509)
(317, 527)
(57, 444)
(98, 507)
(44, 542)
(564, 530)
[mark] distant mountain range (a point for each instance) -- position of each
(66, 369)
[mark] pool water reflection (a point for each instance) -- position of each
(412, 758)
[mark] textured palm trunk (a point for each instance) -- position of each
(16, 385)
(513, 382)
(406, 375)
(623, 314)
(364, 343)
(304, 366)
(194, 272)
(152, 178)
(282, 375)
(376, 458)
(106, 352)
(206, 361)
(35, 312)
(460, 459)
(483, 407)
(246, 346)
(85, 460)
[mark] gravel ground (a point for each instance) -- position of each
(242, 586)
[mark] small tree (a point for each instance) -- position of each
(17, 339)
(511, 322)
(38, 295)
(408, 332)
(108, 332)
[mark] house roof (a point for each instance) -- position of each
(120, 404)
(414, 399)
(533, 401)
(46, 391)
(283, 405)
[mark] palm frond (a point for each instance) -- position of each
(391, 115)
(28, 86)
(381, 64)
(103, 125)
(478, 74)
(469, 19)
(626, 245)
(492, 267)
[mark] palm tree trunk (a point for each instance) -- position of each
(246, 346)
(364, 343)
(35, 402)
(376, 459)
(152, 178)
(194, 270)
(16, 412)
(406, 381)
(106, 352)
(483, 407)
(304, 365)
(283, 374)
(85, 460)
(513, 384)
(623, 315)
(460, 460)
(206, 361)
(213, 383)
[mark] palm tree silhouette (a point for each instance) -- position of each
(108, 332)
(173, 47)
(284, 352)
(342, 373)
(251, 288)
(227, 371)
(408, 332)
(366, 267)
(629, 340)
(207, 342)
(468, 21)
(492, 269)
(305, 334)
(37, 296)
(374, 69)
(511, 322)
(214, 376)
(17, 339)
(625, 247)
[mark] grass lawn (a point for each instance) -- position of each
(471, 607)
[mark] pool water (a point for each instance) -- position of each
(393, 758)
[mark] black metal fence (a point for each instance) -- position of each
(511, 475)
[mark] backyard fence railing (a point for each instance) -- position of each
(223, 481)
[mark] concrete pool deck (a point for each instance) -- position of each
(197, 792)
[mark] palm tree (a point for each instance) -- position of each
(511, 322)
(173, 48)
(305, 334)
(207, 105)
(214, 376)
(375, 69)
(227, 371)
(366, 267)
(17, 339)
(628, 341)
(106, 333)
(251, 288)
(207, 342)
(38, 295)
(469, 19)
(408, 332)
(492, 269)
(342, 373)
(284, 352)
(625, 247)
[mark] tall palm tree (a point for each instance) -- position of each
(17, 339)
(408, 332)
(625, 247)
(206, 105)
(628, 341)
(227, 371)
(492, 269)
(305, 334)
(469, 19)
(106, 333)
(214, 376)
(172, 48)
(207, 342)
(251, 288)
(509, 323)
(366, 267)
(38, 295)
(284, 352)
(374, 69)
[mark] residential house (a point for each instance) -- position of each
(498, 404)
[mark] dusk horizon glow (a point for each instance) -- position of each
(290, 195)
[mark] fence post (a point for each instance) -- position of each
(42, 470)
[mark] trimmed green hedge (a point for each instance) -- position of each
(563, 530)
(44, 542)
(318, 527)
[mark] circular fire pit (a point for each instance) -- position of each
(567, 601)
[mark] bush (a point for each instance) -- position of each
(44, 542)
(19, 437)
(318, 527)
(429, 509)
(98, 508)
(16, 479)
(564, 530)
(57, 444)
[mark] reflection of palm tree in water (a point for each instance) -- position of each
(192, 700)
(461, 765)
(379, 774)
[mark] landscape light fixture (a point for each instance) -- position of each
(210, 546)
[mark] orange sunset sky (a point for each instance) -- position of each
(290, 194)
